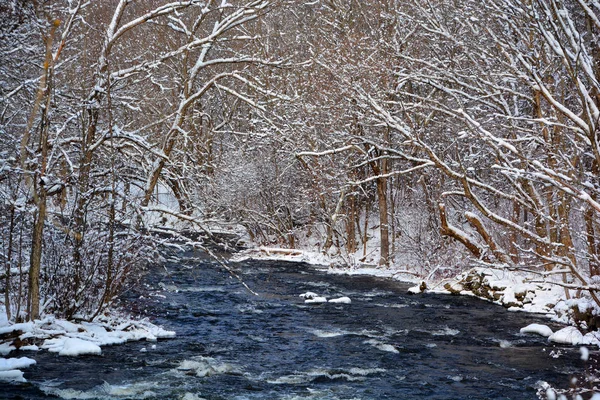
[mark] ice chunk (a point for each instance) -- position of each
(342, 300)
(540, 329)
(568, 335)
(316, 300)
(415, 289)
(309, 295)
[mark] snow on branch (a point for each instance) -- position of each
(393, 173)
(327, 152)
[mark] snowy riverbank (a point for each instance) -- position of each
(67, 339)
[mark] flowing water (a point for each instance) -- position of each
(231, 344)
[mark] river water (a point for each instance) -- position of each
(232, 344)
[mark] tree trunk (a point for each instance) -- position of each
(383, 222)
(513, 237)
(33, 297)
(9, 256)
(366, 230)
(351, 225)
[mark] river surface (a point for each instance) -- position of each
(232, 344)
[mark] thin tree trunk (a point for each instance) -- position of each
(38, 185)
(351, 225)
(366, 230)
(9, 255)
(33, 297)
(383, 222)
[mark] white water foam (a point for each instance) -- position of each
(141, 390)
(350, 375)
(382, 346)
(338, 332)
(248, 308)
(391, 305)
(205, 367)
(445, 331)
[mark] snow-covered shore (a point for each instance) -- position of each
(67, 338)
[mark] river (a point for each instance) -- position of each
(232, 344)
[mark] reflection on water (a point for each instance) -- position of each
(234, 345)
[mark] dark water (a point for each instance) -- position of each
(233, 345)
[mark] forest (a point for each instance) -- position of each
(452, 132)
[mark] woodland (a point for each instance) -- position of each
(465, 131)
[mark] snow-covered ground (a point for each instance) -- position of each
(67, 338)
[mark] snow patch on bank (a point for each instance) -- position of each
(280, 254)
(68, 338)
(71, 347)
(10, 369)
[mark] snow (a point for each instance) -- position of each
(309, 295)
(316, 300)
(10, 368)
(569, 335)
(539, 329)
(341, 300)
(6, 348)
(279, 254)
(13, 375)
(420, 288)
(15, 363)
(71, 347)
(71, 339)
(585, 353)
(313, 298)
